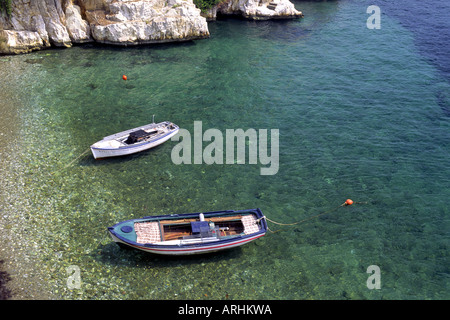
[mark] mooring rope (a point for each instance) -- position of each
(72, 162)
(348, 202)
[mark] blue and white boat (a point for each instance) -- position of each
(190, 233)
(134, 140)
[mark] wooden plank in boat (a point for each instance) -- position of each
(213, 219)
(175, 235)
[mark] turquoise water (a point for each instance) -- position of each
(361, 114)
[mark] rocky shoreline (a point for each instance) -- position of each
(5, 292)
(40, 24)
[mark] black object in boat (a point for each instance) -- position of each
(138, 136)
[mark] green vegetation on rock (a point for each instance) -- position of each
(6, 6)
(205, 5)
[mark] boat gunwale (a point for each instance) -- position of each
(128, 131)
(134, 145)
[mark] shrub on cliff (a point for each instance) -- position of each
(6, 6)
(205, 5)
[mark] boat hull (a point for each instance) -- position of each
(108, 152)
(212, 247)
(189, 247)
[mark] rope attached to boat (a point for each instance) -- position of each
(348, 202)
(72, 162)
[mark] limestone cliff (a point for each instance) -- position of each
(255, 9)
(137, 22)
(37, 24)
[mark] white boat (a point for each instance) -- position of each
(134, 140)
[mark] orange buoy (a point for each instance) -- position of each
(124, 77)
(349, 202)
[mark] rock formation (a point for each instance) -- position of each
(137, 22)
(37, 24)
(255, 9)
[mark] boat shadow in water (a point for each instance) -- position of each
(115, 255)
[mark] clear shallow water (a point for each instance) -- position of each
(361, 113)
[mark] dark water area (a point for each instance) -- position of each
(5, 292)
(428, 20)
(430, 24)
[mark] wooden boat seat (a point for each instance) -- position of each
(250, 224)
